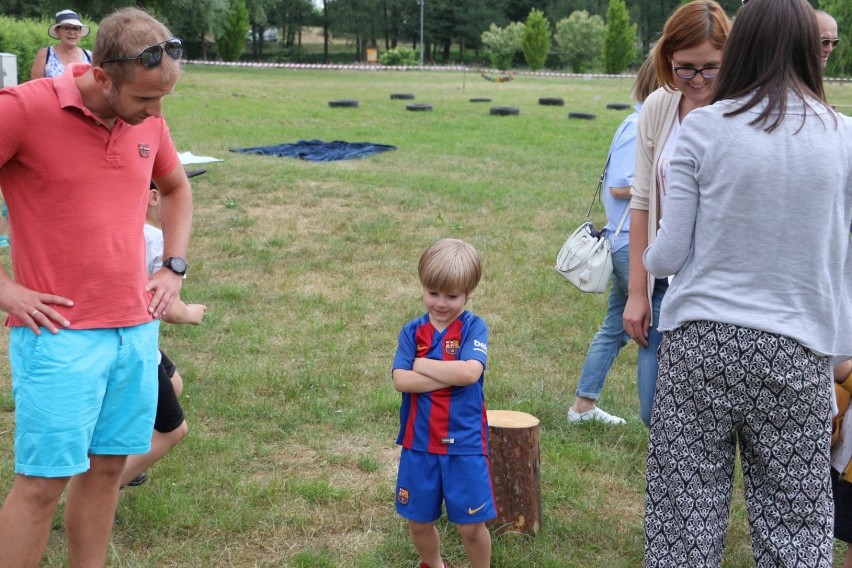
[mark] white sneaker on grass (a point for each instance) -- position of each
(594, 414)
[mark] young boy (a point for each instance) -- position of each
(170, 426)
(439, 368)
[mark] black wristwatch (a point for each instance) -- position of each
(176, 264)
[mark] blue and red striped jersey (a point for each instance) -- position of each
(450, 420)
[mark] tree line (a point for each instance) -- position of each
(452, 29)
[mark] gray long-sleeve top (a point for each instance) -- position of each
(757, 225)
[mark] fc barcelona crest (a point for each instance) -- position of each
(402, 496)
(451, 346)
(144, 150)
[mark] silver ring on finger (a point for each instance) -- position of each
(35, 311)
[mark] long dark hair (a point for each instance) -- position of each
(773, 49)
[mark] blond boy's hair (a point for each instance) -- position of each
(450, 265)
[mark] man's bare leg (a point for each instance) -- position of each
(90, 511)
(26, 518)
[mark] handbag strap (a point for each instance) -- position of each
(598, 189)
(623, 219)
(597, 195)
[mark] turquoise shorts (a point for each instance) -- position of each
(462, 483)
(82, 392)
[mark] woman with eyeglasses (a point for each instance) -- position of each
(688, 57)
(756, 236)
(69, 30)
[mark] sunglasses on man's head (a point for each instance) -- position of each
(832, 42)
(151, 57)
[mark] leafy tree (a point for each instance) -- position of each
(840, 61)
(536, 40)
(580, 40)
(232, 41)
(618, 50)
(501, 44)
(193, 20)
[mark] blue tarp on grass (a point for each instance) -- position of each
(319, 151)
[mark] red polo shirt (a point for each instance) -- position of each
(77, 195)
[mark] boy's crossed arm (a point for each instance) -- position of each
(429, 375)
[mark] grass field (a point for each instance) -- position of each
(309, 270)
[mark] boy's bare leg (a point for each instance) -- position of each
(90, 511)
(848, 562)
(26, 518)
(477, 544)
(161, 444)
(427, 542)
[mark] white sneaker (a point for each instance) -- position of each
(594, 414)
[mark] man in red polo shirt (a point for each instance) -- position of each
(77, 153)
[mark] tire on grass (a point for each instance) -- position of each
(343, 103)
(418, 107)
(582, 115)
(618, 106)
(505, 111)
(480, 100)
(551, 101)
(402, 96)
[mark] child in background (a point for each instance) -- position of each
(439, 368)
(170, 426)
(841, 459)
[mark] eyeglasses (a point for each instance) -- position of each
(151, 57)
(708, 73)
(69, 29)
(832, 42)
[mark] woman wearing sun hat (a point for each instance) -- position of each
(68, 29)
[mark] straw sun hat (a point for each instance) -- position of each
(67, 18)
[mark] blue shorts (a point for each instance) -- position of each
(81, 392)
(463, 483)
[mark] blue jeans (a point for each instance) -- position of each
(647, 358)
(611, 337)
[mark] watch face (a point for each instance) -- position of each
(176, 264)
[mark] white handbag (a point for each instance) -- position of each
(585, 260)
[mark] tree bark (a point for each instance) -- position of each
(515, 471)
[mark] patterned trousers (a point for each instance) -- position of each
(720, 385)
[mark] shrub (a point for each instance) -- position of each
(536, 39)
(618, 50)
(501, 44)
(579, 38)
(232, 42)
(399, 56)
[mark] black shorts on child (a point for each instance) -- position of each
(842, 491)
(169, 412)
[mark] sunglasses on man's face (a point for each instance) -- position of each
(832, 42)
(69, 29)
(151, 57)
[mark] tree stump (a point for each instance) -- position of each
(515, 471)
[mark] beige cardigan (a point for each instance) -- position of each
(659, 111)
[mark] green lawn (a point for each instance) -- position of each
(309, 270)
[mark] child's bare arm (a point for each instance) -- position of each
(412, 381)
(455, 373)
(181, 312)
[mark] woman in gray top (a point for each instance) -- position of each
(757, 236)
